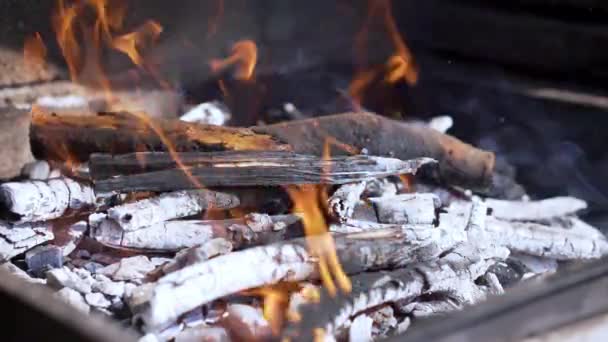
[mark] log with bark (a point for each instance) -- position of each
(75, 137)
(459, 163)
(232, 169)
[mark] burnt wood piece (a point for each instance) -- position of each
(459, 163)
(15, 151)
(72, 137)
(252, 169)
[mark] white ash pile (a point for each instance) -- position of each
(136, 236)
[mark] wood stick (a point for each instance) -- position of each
(263, 169)
(535, 210)
(265, 265)
(30, 201)
(168, 206)
(416, 208)
(76, 137)
(172, 236)
(343, 201)
(15, 151)
(459, 163)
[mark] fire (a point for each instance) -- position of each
(400, 66)
(244, 58)
(34, 51)
(142, 37)
(307, 199)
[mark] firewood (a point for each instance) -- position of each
(265, 265)
(343, 201)
(15, 240)
(171, 236)
(75, 138)
(14, 139)
(459, 163)
(535, 210)
(30, 201)
(416, 208)
(234, 169)
(168, 206)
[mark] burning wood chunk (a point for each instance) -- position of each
(418, 208)
(244, 169)
(344, 200)
(193, 255)
(176, 235)
(14, 139)
(168, 206)
(15, 240)
(77, 137)
(535, 210)
(459, 163)
(31, 201)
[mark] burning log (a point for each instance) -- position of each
(259, 169)
(459, 163)
(418, 208)
(14, 140)
(15, 240)
(265, 265)
(31, 201)
(77, 137)
(344, 200)
(172, 236)
(168, 206)
(535, 210)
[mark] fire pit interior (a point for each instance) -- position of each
(278, 170)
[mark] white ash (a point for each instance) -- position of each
(403, 326)
(17, 239)
(75, 233)
(203, 333)
(37, 170)
(168, 206)
(384, 321)
(193, 255)
(417, 208)
(73, 298)
(97, 300)
(133, 269)
(536, 264)
(441, 123)
(535, 210)
(108, 287)
(431, 308)
(209, 113)
(80, 280)
(31, 201)
(62, 102)
(360, 329)
(343, 201)
(248, 321)
(494, 286)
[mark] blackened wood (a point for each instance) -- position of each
(459, 163)
(15, 149)
(258, 168)
(75, 138)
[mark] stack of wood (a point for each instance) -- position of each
(188, 232)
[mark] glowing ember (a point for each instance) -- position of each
(244, 58)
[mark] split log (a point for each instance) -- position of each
(172, 236)
(15, 240)
(416, 208)
(15, 151)
(77, 137)
(31, 201)
(459, 163)
(535, 210)
(265, 265)
(168, 206)
(263, 169)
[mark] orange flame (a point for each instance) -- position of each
(63, 22)
(34, 51)
(244, 58)
(399, 66)
(307, 199)
(130, 42)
